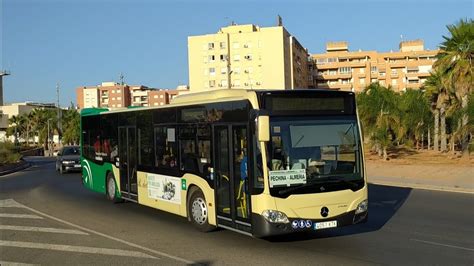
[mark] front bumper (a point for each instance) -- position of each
(262, 228)
(70, 167)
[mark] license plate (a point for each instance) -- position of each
(77, 165)
(323, 225)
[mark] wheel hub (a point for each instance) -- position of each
(199, 210)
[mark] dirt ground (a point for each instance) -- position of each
(420, 157)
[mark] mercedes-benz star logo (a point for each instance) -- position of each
(324, 211)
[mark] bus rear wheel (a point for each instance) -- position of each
(198, 212)
(111, 190)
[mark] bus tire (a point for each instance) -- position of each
(198, 212)
(111, 189)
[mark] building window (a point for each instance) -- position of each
(119, 105)
(210, 46)
(113, 91)
(362, 70)
(382, 73)
(235, 45)
(344, 70)
(119, 98)
(119, 91)
(223, 57)
(212, 71)
(222, 45)
(155, 96)
(224, 83)
(332, 72)
(248, 57)
(212, 58)
(394, 82)
(212, 83)
(162, 103)
(373, 69)
(236, 70)
(237, 57)
(155, 104)
(236, 83)
(332, 60)
(362, 81)
(394, 72)
(321, 61)
(161, 96)
(248, 45)
(373, 80)
(224, 70)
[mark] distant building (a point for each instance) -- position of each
(342, 69)
(113, 95)
(249, 57)
(2, 74)
(15, 109)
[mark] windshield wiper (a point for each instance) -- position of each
(329, 180)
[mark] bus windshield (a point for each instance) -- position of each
(314, 155)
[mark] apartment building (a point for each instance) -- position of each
(114, 95)
(342, 69)
(249, 57)
(108, 95)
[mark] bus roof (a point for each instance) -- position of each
(212, 96)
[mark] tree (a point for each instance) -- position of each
(415, 114)
(380, 117)
(71, 126)
(455, 62)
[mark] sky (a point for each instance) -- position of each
(83, 43)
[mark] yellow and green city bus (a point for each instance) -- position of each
(258, 162)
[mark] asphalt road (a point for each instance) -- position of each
(47, 218)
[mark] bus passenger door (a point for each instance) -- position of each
(128, 162)
(231, 174)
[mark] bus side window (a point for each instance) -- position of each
(165, 147)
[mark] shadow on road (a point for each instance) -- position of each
(384, 202)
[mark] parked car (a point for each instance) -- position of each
(69, 159)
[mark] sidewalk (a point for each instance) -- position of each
(8, 169)
(443, 177)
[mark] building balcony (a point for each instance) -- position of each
(413, 85)
(358, 64)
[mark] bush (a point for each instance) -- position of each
(8, 153)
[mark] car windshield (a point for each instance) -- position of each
(71, 151)
(306, 152)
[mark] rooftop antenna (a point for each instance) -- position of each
(279, 21)
(121, 78)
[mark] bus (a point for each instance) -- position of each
(258, 162)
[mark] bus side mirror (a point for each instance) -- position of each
(263, 128)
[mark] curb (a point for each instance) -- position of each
(424, 187)
(23, 165)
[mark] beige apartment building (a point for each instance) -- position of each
(249, 57)
(114, 95)
(342, 69)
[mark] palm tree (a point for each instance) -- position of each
(437, 92)
(380, 117)
(455, 62)
(415, 111)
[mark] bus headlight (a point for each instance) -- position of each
(362, 207)
(275, 216)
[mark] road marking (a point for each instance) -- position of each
(42, 229)
(79, 249)
(9, 203)
(10, 263)
(13, 203)
(25, 216)
(441, 244)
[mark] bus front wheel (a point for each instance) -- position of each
(198, 212)
(111, 190)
